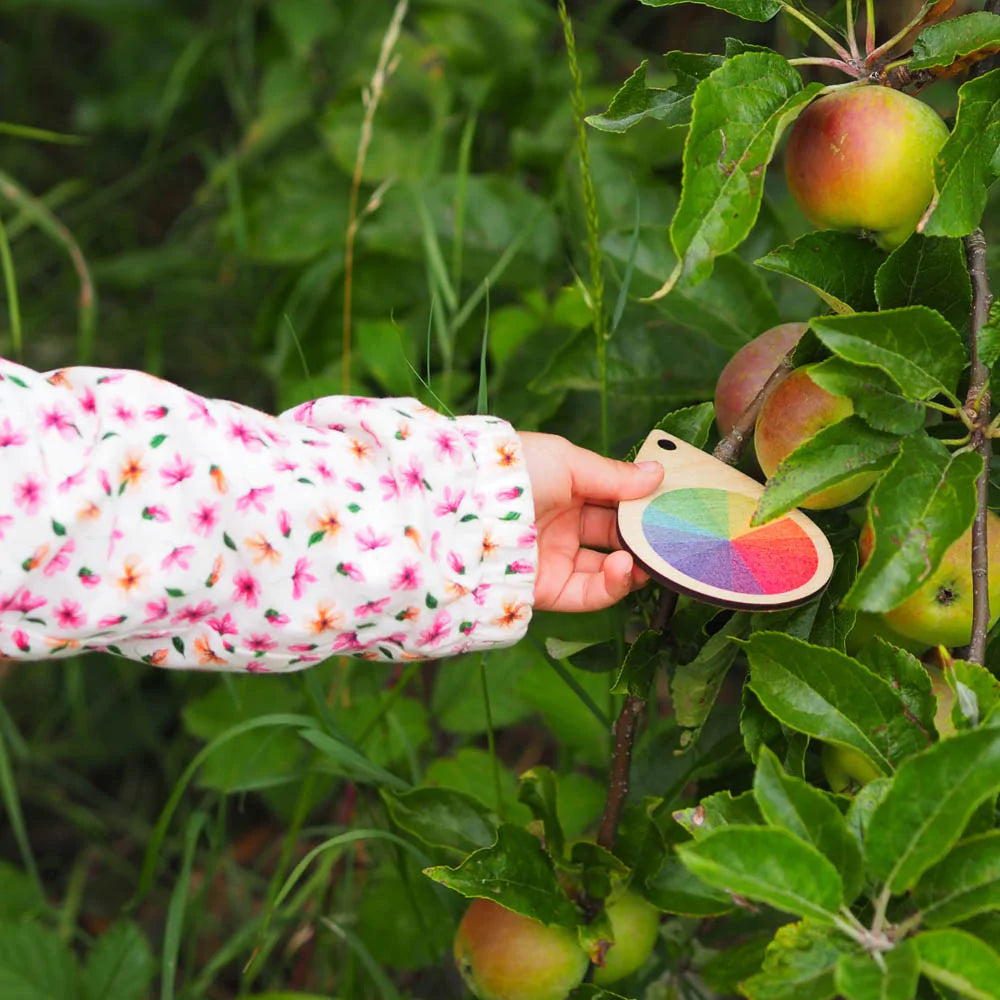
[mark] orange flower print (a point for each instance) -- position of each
(213, 577)
(489, 546)
(35, 559)
(512, 614)
(88, 512)
(132, 471)
(158, 657)
(507, 455)
(132, 575)
(327, 523)
(219, 478)
(205, 655)
(263, 550)
(327, 618)
(414, 536)
(360, 450)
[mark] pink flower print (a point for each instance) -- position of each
(246, 588)
(285, 465)
(371, 607)
(239, 431)
(21, 640)
(359, 402)
(455, 562)
(350, 571)
(303, 414)
(155, 412)
(347, 641)
(324, 472)
(224, 625)
(467, 628)
(69, 614)
(438, 630)
(284, 523)
(191, 614)
(446, 446)
(435, 546)
(21, 600)
(471, 438)
(510, 493)
(451, 503)
(300, 578)
(60, 561)
(260, 643)
(371, 434)
(520, 566)
(116, 537)
(175, 473)
(353, 484)
(528, 538)
(87, 401)
(9, 436)
(199, 411)
(155, 512)
(5, 519)
(102, 478)
(479, 593)
(275, 437)
(88, 577)
(252, 498)
(302, 647)
(369, 541)
(178, 556)
(60, 420)
(275, 618)
(203, 518)
(408, 577)
(28, 494)
(70, 482)
(122, 412)
(111, 621)
(155, 611)
(389, 486)
(413, 477)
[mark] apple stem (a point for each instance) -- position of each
(977, 406)
(875, 54)
(869, 27)
(822, 61)
(852, 38)
(817, 30)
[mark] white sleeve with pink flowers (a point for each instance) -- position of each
(142, 519)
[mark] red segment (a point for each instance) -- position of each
(781, 559)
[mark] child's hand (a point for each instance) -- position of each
(576, 493)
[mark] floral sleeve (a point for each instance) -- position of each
(139, 518)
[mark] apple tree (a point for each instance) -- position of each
(807, 797)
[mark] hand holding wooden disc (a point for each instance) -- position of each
(694, 534)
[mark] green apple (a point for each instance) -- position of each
(795, 411)
(748, 369)
(939, 612)
(863, 158)
(635, 922)
(505, 956)
(846, 769)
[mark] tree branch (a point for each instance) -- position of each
(621, 759)
(977, 407)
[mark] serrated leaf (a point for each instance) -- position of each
(808, 813)
(601, 871)
(36, 965)
(539, 792)
(906, 674)
(514, 872)
(925, 502)
(749, 10)
(826, 694)
(120, 966)
(641, 662)
(960, 961)
(931, 799)
(945, 43)
(719, 810)
(977, 693)
(799, 964)
(692, 424)
(916, 346)
(967, 164)
(674, 889)
(927, 271)
(839, 267)
(863, 805)
(859, 977)
(443, 817)
(635, 102)
(835, 454)
(769, 865)
(965, 883)
(738, 115)
(874, 395)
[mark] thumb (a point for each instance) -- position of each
(599, 478)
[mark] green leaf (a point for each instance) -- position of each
(966, 166)
(36, 965)
(960, 961)
(965, 883)
(691, 423)
(443, 817)
(839, 267)
(916, 346)
(925, 503)
(19, 895)
(643, 659)
(808, 813)
(989, 336)
(121, 965)
(942, 44)
(635, 102)
(588, 991)
(874, 395)
(927, 271)
(828, 695)
(674, 889)
(932, 797)
(749, 10)
(859, 977)
(799, 964)
(639, 842)
(769, 865)
(539, 792)
(835, 454)
(906, 674)
(720, 810)
(601, 872)
(977, 693)
(738, 115)
(514, 872)
(351, 762)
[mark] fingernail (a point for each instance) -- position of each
(648, 466)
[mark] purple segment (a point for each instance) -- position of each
(706, 559)
(743, 579)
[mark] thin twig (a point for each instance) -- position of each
(730, 448)
(977, 406)
(869, 27)
(816, 29)
(852, 35)
(625, 728)
(875, 54)
(371, 98)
